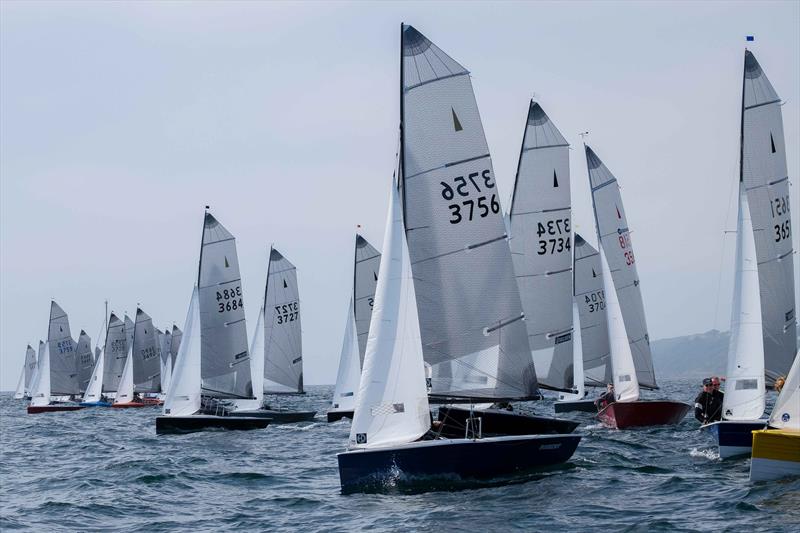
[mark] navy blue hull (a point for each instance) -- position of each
(428, 463)
(278, 416)
(735, 438)
(192, 423)
(567, 406)
(498, 422)
(334, 416)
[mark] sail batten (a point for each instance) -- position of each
(456, 236)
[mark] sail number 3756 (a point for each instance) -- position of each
(463, 187)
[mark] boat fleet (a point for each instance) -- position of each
(466, 311)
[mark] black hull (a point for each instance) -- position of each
(584, 406)
(499, 422)
(192, 423)
(279, 416)
(449, 463)
(335, 416)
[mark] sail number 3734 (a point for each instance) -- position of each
(470, 206)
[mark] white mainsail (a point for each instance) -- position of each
(766, 179)
(62, 358)
(256, 367)
(615, 239)
(786, 412)
(175, 344)
(225, 360)
(184, 395)
(626, 383)
(365, 280)
(126, 386)
(19, 391)
(349, 375)
(589, 295)
(473, 335)
(115, 352)
(146, 360)
(35, 375)
(283, 341)
(392, 406)
(41, 391)
(540, 219)
(745, 397)
(84, 360)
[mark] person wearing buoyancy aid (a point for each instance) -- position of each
(707, 407)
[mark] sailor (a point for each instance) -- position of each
(718, 394)
(502, 406)
(606, 398)
(779, 383)
(707, 408)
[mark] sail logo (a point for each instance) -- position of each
(785, 417)
(361, 438)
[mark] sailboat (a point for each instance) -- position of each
(175, 344)
(23, 389)
(391, 431)
(629, 343)
(590, 351)
(57, 375)
(366, 263)
(213, 362)
(776, 451)
(165, 341)
(84, 360)
(763, 324)
(280, 361)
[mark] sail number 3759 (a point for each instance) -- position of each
(470, 208)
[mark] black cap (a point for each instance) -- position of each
(707, 381)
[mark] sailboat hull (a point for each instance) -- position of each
(497, 422)
(192, 423)
(776, 454)
(127, 405)
(734, 437)
(568, 406)
(335, 416)
(32, 410)
(278, 416)
(623, 415)
(426, 463)
(96, 404)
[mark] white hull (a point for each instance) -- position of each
(768, 469)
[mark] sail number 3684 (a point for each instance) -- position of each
(229, 299)
(478, 182)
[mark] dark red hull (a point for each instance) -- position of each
(32, 410)
(622, 415)
(128, 405)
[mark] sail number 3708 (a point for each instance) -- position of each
(467, 208)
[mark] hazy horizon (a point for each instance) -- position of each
(119, 122)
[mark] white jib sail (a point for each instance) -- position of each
(125, 389)
(40, 395)
(283, 342)
(19, 392)
(349, 375)
(577, 358)
(365, 280)
(164, 340)
(626, 384)
(614, 237)
(35, 375)
(30, 368)
(256, 367)
(745, 397)
(95, 388)
(786, 413)
(471, 318)
(766, 178)
(540, 218)
(392, 405)
(183, 397)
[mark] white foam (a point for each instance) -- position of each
(709, 454)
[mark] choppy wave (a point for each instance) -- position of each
(105, 469)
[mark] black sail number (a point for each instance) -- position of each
(229, 299)
(553, 236)
(595, 301)
(288, 312)
(471, 193)
(783, 231)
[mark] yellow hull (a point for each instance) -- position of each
(776, 454)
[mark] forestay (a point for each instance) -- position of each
(225, 361)
(626, 384)
(283, 361)
(365, 279)
(765, 176)
(84, 361)
(589, 296)
(146, 360)
(114, 353)
(63, 367)
(184, 394)
(615, 238)
(349, 375)
(470, 312)
(745, 397)
(392, 405)
(786, 412)
(541, 249)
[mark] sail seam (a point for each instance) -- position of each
(545, 146)
(433, 80)
(604, 184)
(759, 105)
(553, 210)
(446, 165)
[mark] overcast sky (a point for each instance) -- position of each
(120, 121)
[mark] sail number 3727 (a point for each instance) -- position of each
(466, 190)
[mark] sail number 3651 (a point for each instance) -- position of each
(478, 182)
(229, 299)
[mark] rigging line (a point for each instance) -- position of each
(722, 255)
